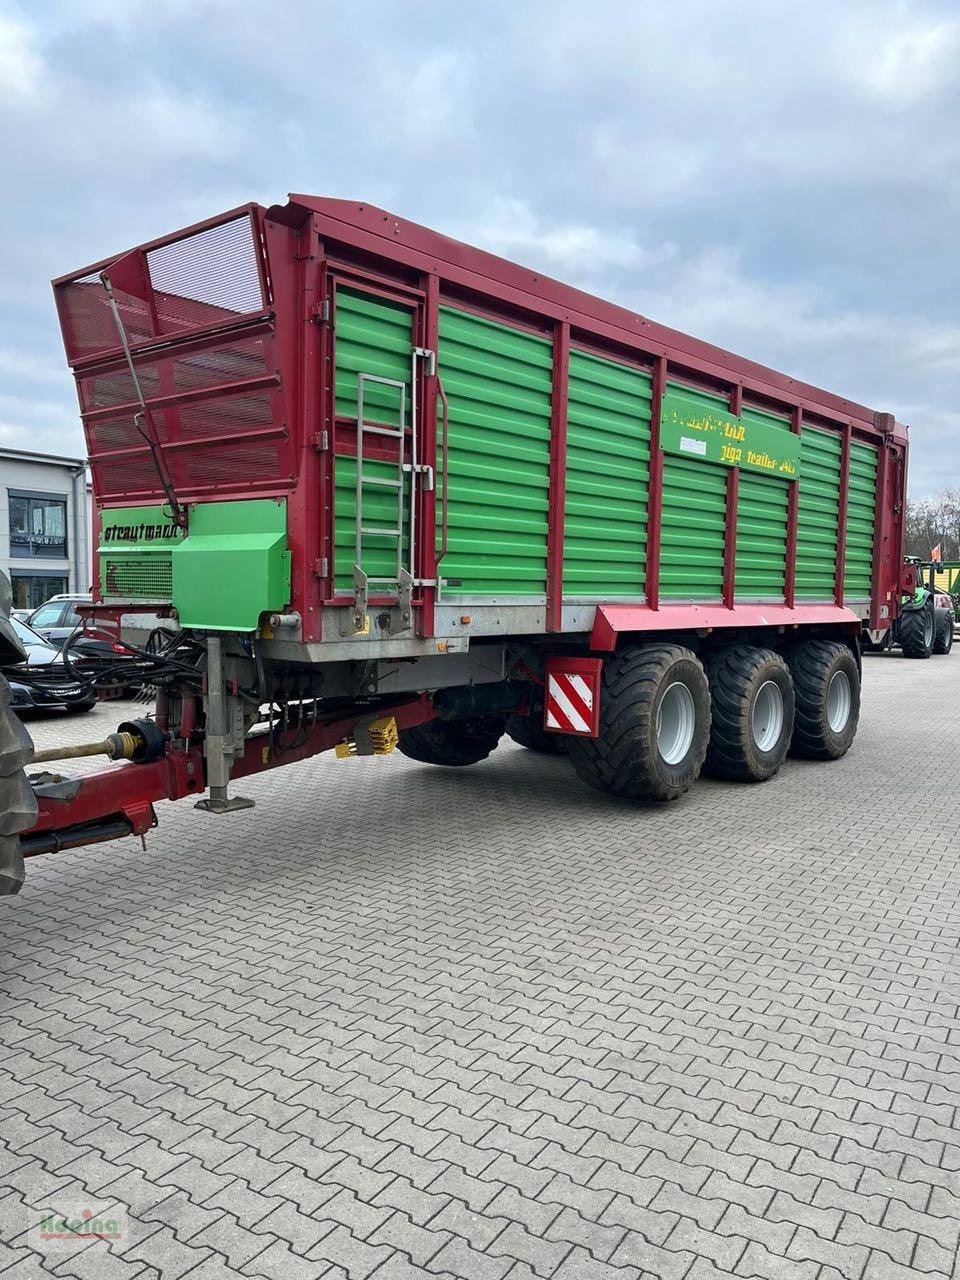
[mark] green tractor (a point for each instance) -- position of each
(925, 625)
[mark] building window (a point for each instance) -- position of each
(38, 525)
(31, 590)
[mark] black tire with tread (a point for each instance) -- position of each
(736, 675)
(813, 664)
(18, 805)
(453, 742)
(913, 632)
(528, 731)
(625, 760)
(942, 631)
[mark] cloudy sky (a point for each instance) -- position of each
(780, 179)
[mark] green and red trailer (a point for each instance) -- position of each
(359, 485)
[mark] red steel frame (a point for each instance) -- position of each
(311, 243)
(130, 790)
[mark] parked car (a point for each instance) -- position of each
(49, 683)
(57, 619)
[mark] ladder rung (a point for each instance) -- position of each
(387, 484)
(395, 432)
(392, 581)
(381, 533)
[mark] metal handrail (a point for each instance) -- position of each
(446, 476)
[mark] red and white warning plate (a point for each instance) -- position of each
(572, 696)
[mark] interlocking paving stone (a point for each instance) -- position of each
(408, 1022)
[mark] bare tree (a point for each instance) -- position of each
(933, 521)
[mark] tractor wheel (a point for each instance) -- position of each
(654, 724)
(826, 684)
(18, 805)
(917, 632)
(752, 700)
(453, 742)
(943, 631)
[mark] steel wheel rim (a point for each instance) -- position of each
(766, 717)
(839, 701)
(927, 628)
(676, 722)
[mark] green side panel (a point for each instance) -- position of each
(761, 562)
(817, 510)
(233, 565)
(861, 514)
(692, 521)
(372, 336)
(608, 472)
(379, 512)
(135, 553)
(498, 381)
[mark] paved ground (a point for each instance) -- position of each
(405, 1021)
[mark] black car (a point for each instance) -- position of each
(44, 680)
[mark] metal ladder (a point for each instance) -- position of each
(421, 475)
(402, 580)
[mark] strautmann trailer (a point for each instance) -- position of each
(359, 485)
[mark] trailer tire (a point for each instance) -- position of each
(826, 683)
(654, 724)
(917, 632)
(18, 804)
(943, 632)
(453, 742)
(752, 703)
(528, 731)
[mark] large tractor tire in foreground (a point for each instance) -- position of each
(654, 725)
(943, 631)
(753, 709)
(826, 683)
(917, 632)
(453, 742)
(18, 805)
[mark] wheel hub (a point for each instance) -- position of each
(766, 717)
(676, 722)
(839, 701)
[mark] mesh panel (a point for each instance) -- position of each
(108, 389)
(246, 359)
(227, 465)
(226, 416)
(207, 276)
(226, 364)
(116, 433)
(88, 325)
(139, 578)
(125, 477)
